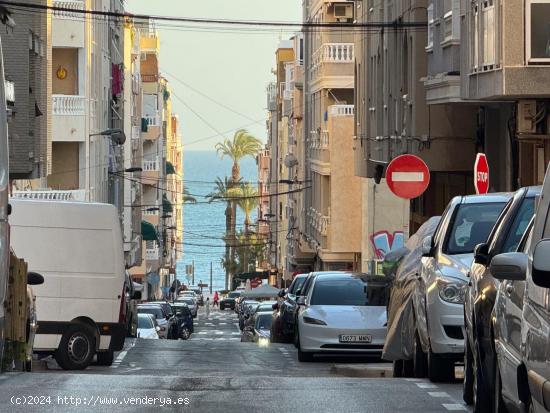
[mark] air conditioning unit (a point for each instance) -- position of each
(343, 11)
(527, 111)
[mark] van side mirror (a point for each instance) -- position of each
(33, 278)
(509, 266)
(481, 254)
(137, 295)
(541, 264)
(427, 246)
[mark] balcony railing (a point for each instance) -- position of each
(151, 254)
(68, 105)
(324, 139)
(53, 195)
(314, 140)
(324, 223)
(151, 165)
(342, 110)
(68, 4)
(152, 120)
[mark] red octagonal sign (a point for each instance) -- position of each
(481, 174)
(408, 176)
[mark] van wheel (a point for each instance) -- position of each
(397, 368)
(105, 358)
(440, 369)
(420, 361)
(77, 347)
(408, 368)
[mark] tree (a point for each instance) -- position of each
(188, 198)
(246, 197)
(221, 192)
(242, 145)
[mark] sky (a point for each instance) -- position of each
(231, 68)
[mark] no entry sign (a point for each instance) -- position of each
(481, 174)
(408, 176)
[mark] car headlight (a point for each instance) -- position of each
(451, 291)
(263, 341)
(311, 320)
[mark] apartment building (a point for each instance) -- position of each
(332, 205)
(27, 53)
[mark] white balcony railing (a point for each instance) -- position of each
(151, 165)
(68, 4)
(52, 195)
(324, 223)
(151, 254)
(342, 110)
(68, 105)
(324, 139)
(314, 140)
(153, 120)
(150, 211)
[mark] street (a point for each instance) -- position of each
(213, 371)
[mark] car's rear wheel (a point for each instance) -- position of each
(185, 333)
(467, 385)
(420, 360)
(440, 369)
(302, 355)
(77, 347)
(105, 358)
(408, 368)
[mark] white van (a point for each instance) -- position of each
(78, 248)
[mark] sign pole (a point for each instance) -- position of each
(210, 277)
(193, 273)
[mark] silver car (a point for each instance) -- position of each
(191, 304)
(438, 298)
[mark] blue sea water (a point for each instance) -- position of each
(204, 223)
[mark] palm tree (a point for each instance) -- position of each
(242, 145)
(246, 197)
(188, 198)
(221, 191)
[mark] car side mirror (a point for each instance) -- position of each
(509, 266)
(301, 300)
(427, 248)
(33, 278)
(137, 295)
(281, 293)
(541, 264)
(481, 254)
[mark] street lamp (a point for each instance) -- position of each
(117, 135)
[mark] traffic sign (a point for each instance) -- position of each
(201, 285)
(408, 176)
(481, 174)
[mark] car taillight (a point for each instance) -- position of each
(122, 310)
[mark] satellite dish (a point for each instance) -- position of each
(290, 160)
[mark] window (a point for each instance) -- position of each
(471, 226)
(296, 285)
(430, 27)
(264, 321)
(349, 291)
(145, 322)
(520, 224)
(537, 31)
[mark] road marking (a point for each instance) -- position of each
(413, 379)
(455, 407)
(122, 354)
(426, 385)
(235, 333)
(438, 394)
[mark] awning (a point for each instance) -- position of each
(251, 275)
(153, 278)
(170, 170)
(148, 231)
(166, 205)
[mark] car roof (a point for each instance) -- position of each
(156, 305)
(494, 197)
(533, 191)
(335, 275)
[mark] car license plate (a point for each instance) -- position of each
(355, 338)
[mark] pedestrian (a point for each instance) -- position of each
(216, 299)
(207, 307)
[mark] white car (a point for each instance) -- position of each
(342, 312)
(191, 304)
(147, 327)
(438, 298)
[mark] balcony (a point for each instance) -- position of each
(271, 91)
(151, 171)
(69, 118)
(68, 28)
(151, 165)
(333, 65)
(320, 225)
(153, 123)
(52, 195)
(149, 40)
(342, 110)
(152, 254)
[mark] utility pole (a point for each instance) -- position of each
(193, 274)
(210, 277)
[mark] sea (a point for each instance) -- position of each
(203, 222)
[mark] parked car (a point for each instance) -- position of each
(439, 292)
(521, 321)
(259, 328)
(342, 312)
(199, 295)
(130, 310)
(248, 307)
(229, 300)
(286, 317)
(166, 322)
(147, 326)
(481, 291)
(191, 304)
(83, 299)
(184, 320)
(400, 339)
(265, 306)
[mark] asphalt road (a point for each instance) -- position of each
(214, 372)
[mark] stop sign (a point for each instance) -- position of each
(481, 174)
(407, 176)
